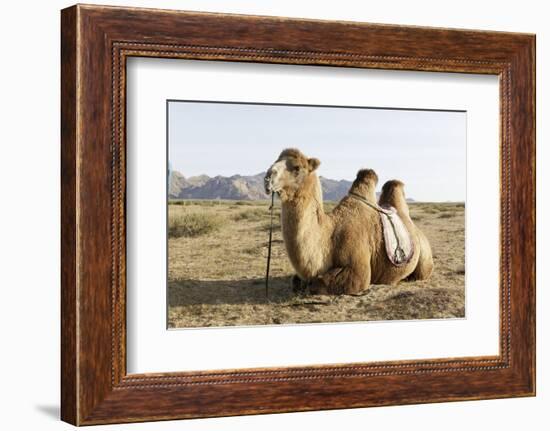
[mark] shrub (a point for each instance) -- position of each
(193, 224)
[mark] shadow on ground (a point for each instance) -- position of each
(219, 292)
(52, 411)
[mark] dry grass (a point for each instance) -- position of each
(250, 215)
(217, 278)
(192, 224)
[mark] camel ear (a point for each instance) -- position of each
(313, 164)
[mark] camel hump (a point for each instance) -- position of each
(393, 195)
(366, 176)
(365, 184)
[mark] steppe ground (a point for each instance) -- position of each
(217, 258)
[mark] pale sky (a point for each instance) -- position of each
(424, 149)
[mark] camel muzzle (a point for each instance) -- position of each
(267, 184)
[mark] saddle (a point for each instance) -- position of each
(398, 240)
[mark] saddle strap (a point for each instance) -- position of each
(399, 255)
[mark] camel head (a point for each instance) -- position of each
(289, 173)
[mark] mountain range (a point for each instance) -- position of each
(240, 187)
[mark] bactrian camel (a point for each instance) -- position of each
(341, 252)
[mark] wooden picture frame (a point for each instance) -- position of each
(95, 43)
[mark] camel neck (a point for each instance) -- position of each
(306, 228)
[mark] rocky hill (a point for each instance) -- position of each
(240, 187)
(236, 187)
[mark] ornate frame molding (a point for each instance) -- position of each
(96, 41)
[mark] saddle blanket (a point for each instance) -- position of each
(398, 240)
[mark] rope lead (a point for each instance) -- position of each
(269, 246)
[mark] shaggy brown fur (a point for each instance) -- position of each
(342, 252)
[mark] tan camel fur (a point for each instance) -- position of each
(341, 252)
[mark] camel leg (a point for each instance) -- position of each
(425, 265)
(342, 281)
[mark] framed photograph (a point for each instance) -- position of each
(264, 214)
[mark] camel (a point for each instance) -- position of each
(341, 252)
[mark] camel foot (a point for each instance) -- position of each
(299, 286)
(318, 287)
(339, 281)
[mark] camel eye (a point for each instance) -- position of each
(295, 169)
